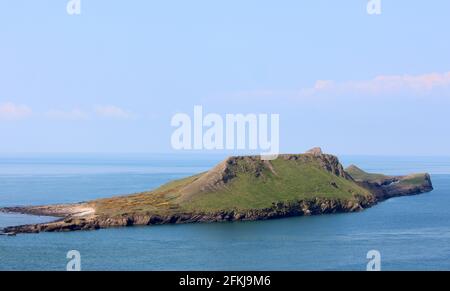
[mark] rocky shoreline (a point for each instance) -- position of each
(279, 210)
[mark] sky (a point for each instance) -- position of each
(110, 79)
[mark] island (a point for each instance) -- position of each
(242, 188)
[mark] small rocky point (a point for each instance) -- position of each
(317, 151)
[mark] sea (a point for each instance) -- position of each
(409, 233)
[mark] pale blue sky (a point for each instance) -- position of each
(110, 79)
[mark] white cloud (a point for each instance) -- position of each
(433, 84)
(74, 114)
(382, 85)
(11, 111)
(111, 111)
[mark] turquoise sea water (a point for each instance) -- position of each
(411, 233)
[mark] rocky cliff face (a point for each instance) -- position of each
(384, 187)
(398, 186)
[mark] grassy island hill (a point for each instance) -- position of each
(239, 188)
(244, 183)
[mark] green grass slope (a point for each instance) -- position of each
(360, 175)
(243, 183)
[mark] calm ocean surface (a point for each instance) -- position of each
(412, 233)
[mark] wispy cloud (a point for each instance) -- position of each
(379, 86)
(382, 85)
(11, 111)
(73, 114)
(112, 111)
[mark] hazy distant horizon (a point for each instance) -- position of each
(205, 154)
